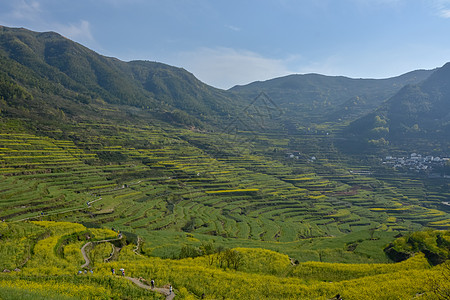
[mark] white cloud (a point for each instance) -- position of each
(80, 32)
(25, 10)
(234, 28)
(443, 8)
(226, 67)
(36, 15)
(444, 13)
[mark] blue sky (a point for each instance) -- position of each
(230, 42)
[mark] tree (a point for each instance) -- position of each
(189, 251)
(440, 285)
(230, 258)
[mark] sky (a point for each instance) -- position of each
(235, 42)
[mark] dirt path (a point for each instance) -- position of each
(86, 256)
(59, 212)
(49, 214)
(164, 291)
(114, 251)
(136, 250)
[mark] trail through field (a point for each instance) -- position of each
(164, 291)
(49, 214)
(59, 212)
(83, 250)
(136, 250)
(85, 256)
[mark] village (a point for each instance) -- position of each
(417, 162)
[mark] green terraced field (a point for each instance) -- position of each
(185, 181)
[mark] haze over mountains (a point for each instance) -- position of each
(63, 76)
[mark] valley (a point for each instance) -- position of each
(286, 176)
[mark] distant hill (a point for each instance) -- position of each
(63, 75)
(319, 98)
(48, 82)
(417, 115)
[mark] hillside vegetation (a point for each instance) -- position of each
(216, 192)
(418, 116)
(53, 259)
(315, 98)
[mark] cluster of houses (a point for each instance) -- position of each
(415, 162)
(297, 155)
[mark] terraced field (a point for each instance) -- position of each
(45, 261)
(178, 181)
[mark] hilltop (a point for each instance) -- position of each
(63, 76)
(315, 98)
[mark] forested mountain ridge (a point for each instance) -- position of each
(48, 64)
(319, 98)
(417, 115)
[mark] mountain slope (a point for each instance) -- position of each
(417, 114)
(49, 64)
(319, 98)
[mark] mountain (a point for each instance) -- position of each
(48, 82)
(65, 77)
(417, 116)
(47, 65)
(319, 98)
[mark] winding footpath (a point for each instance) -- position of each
(85, 256)
(165, 291)
(58, 212)
(88, 244)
